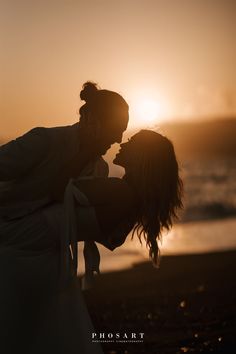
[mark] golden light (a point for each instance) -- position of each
(147, 112)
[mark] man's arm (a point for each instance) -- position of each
(97, 168)
(19, 156)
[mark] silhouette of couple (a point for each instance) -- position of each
(55, 192)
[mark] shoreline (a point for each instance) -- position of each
(196, 237)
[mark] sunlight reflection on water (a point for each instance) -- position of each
(192, 237)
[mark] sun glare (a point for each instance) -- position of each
(147, 112)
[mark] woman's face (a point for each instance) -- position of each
(127, 152)
(146, 144)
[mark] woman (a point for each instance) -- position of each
(104, 210)
(147, 196)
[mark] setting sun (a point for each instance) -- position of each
(147, 111)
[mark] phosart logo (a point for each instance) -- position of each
(134, 337)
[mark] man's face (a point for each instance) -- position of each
(112, 133)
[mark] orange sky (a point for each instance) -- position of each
(178, 52)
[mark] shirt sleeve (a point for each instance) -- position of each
(19, 156)
(97, 168)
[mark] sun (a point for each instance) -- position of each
(147, 112)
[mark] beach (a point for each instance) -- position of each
(188, 305)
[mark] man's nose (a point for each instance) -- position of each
(123, 144)
(119, 138)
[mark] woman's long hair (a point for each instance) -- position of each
(155, 176)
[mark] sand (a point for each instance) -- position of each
(186, 306)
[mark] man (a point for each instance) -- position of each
(36, 167)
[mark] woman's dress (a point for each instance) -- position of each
(41, 311)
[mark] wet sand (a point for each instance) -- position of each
(186, 306)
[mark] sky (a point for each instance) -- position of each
(170, 59)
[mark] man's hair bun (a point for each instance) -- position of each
(89, 91)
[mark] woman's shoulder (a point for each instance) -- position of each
(106, 190)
